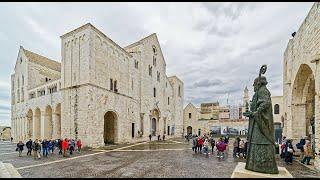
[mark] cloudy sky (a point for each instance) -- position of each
(215, 48)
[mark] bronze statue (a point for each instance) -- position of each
(261, 141)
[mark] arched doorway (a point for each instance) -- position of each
(48, 125)
(154, 127)
(303, 100)
(37, 124)
(109, 134)
(29, 124)
(155, 122)
(58, 121)
(189, 130)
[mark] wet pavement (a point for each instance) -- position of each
(170, 158)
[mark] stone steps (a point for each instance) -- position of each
(8, 171)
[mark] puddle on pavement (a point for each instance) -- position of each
(154, 146)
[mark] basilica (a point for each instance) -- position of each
(100, 92)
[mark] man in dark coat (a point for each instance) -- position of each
(29, 147)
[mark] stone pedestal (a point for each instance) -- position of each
(241, 172)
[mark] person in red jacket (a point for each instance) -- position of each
(65, 145)
(200, 143)
(79, 144)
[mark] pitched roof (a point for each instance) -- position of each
(138, 42)
(43, 61)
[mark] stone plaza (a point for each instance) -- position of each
(115, 98)
(169, 158)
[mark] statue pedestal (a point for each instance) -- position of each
(241, 172)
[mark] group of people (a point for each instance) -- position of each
(163, 137)
(287, 150)
(65, 146)
(201, 144)
(239, 147)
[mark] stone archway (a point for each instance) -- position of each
(303, 101)
(189, 130)
(48, 123)
(110, 127)
(58, 121)
(155, 125)
(29, 124)
(37, 124)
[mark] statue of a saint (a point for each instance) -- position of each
(261, 141)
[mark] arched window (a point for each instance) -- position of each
(154, 49)
(276, 109)
(154, 92)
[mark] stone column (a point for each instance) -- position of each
(317, 130)
(34, 125)
(43, 126)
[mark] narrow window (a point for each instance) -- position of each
(115, 86)
(189, 115)
(154, 92)
(132, 130)
(276, 109)
(22, 80)
(179, 91)
(154, 61)
(168, 101)
(111, 84)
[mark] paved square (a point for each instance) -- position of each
(171, 158)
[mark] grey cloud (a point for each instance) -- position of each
(231, 10)
(208, 83)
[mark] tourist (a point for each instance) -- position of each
(226, 139)
(221, 147)
(150, 137)
(159, 137)
(11, 139)
(59, 145)
(245, 148)
(308, 153)
(300, 146)
(205, 146)
(51, 146)
(71, 146)
(289, 152)
(282, 147)
(29, 147)
(194, 144)
(65, 145)
(20, 146)
(235, 147)
(79, 144)
(36, 147)
(212, 143)
(45, 148)
(163, 137)
(241, 148)
(200, 144)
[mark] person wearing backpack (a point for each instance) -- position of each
(20, 146)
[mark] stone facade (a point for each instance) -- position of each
(99, 93)
(301, 80)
